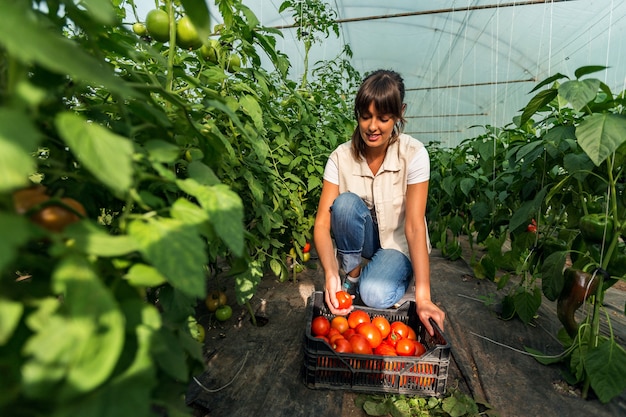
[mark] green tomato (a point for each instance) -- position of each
(186, 34)
(223, 313)
(196, 329)
(158, 25)
(234, 63)
(140, 29)
(210, 51)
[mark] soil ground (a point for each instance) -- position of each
(257, 371)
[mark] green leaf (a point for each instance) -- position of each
(466, 185)
(527, 303)
(590, 69)
(536, 103)
(202, 173)
(247, 281)
(579, 93)
(102, 11)
(162, 151)
(526, 211)
(18, 141)
(106, 155)
(552, 274)
(79, 340)
(599, 135)
(169, 354)
(91, 239)
(15, 232)
(33, 42)
(606, 367)
(198, 12)
(225, 211)
(10, 315)
(549, 80)
(142, 275)
(251, 107)
(134, 384)
(175, 249)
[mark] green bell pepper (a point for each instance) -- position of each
(592, 227)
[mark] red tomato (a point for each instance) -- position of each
(306, 248)
(324, 338)
(360, 344)
(371, 333)
(399, 329)
(420, 349)
(349, 332)
(344, 299)
(412, 335)
(405, 347)
(342, 346)
(340, 323)
(320, 326)
(385, 349)
(357, 317)
(383, 325)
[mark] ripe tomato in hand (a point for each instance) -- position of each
(320, 326)
(405, 347)
(360, 345)
(383, 325)
(357, 317)
(371, 333)
(344, 299)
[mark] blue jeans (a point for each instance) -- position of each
(385, 278)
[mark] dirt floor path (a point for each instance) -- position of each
(256, 371)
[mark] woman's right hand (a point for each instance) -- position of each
(333, 284)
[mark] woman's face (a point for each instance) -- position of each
(375, 128)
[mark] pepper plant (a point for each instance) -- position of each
(550, 196)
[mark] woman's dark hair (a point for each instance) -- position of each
(384, 88)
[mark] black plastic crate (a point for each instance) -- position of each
(424, 376)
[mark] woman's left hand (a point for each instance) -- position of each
(426, 310)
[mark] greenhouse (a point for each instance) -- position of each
(312, 208)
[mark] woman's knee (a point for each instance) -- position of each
(345, 201)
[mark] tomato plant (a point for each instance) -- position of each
(186, 171)
(344, 299)
(320, 326)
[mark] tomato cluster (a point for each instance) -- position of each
(51, 213)
(359, 333)
(217, 303)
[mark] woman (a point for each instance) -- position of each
(373, 204)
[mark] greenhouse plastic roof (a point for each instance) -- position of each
(466, 64)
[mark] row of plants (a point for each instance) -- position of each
(545, 200)
(141, 157)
